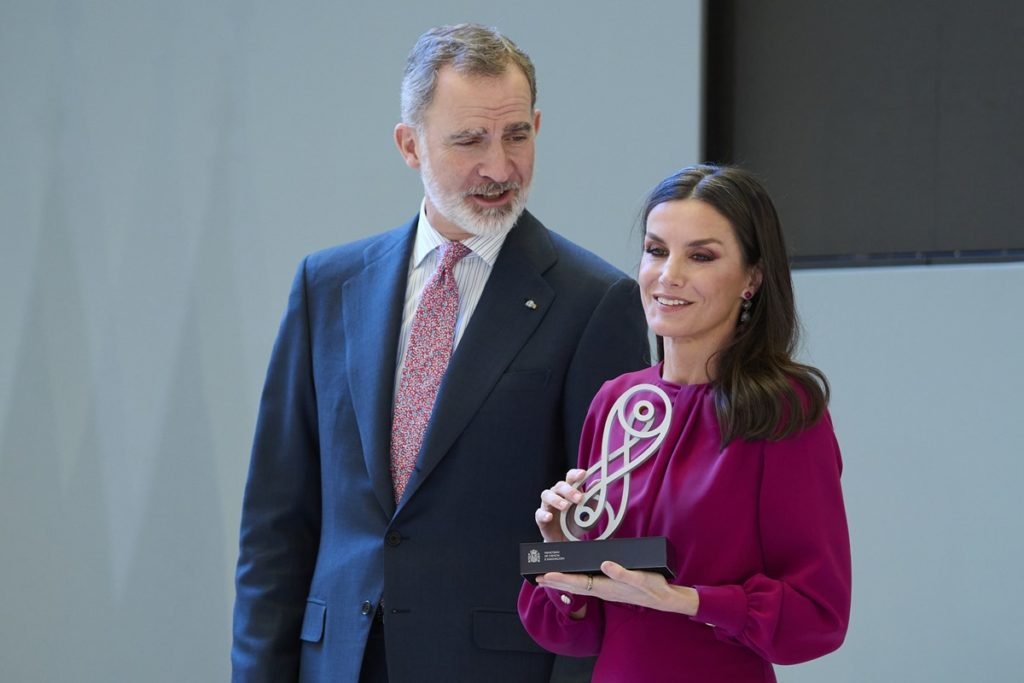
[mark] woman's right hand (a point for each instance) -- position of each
(554, 501)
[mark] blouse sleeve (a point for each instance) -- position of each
(545, 615)
(798, 609)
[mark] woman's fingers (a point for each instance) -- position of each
(552, 500)
(556, 500)
(574, 475)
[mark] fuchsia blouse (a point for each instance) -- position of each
(758, 528)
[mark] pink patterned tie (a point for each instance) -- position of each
(426, 358)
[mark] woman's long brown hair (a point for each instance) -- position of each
(761, 392)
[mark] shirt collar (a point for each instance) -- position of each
(428, 239)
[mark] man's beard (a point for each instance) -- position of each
(476, 220)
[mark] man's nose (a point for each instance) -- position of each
(496, 164)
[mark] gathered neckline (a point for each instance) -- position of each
(669, 384)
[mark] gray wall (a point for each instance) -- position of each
(163, 167)
(926, 369)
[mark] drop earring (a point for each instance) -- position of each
(745, 306)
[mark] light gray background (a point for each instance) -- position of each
(163, 167)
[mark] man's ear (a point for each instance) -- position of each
(407, 141)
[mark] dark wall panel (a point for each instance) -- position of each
(886, 131)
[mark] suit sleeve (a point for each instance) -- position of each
(798, 609)
(280, 526)
(614, 342)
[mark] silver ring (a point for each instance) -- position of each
(590, 581)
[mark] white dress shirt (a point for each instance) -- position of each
(471, 274)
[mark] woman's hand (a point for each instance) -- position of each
(618, 584)
(554, 501)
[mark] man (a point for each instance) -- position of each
(377, 545)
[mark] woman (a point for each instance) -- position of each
(745, 484)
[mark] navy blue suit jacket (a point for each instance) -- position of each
(322, 540)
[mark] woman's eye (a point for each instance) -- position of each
(655, 250)
(702, 257)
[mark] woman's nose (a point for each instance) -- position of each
(672, 274)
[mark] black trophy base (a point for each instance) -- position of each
(585, 557)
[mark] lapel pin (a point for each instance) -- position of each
(531, 304)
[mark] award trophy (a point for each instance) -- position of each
(635, 414)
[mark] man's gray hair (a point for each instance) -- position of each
(472, 49)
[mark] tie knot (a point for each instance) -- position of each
(453, 253)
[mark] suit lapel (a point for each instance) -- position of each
(501, 325)
(372, 304)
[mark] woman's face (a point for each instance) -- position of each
(692, 275)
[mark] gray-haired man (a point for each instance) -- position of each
(345, 573)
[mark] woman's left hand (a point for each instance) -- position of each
(618, 584)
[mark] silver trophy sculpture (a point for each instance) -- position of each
(635, 415)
